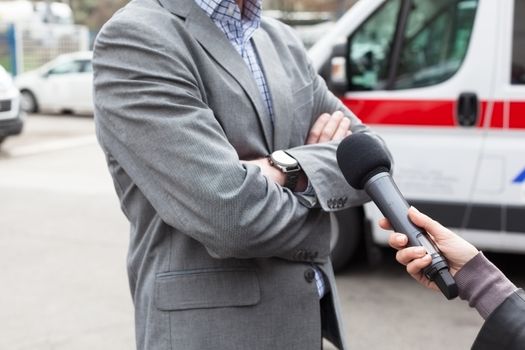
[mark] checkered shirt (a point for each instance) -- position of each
(239, 30)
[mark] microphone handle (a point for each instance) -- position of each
(385, 194)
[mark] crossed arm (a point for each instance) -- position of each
(328, 127)
(143, 110)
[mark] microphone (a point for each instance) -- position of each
(365, 165)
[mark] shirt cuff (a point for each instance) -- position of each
(308, 198)
(483, 285)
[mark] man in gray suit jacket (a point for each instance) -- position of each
(225, 251)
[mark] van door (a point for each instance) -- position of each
(499, 195)
(419, 72)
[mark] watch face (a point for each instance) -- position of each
(283, 159)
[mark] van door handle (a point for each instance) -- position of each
(468, 109)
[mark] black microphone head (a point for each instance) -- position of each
(360, 157)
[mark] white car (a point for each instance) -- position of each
(11, 121)
(63, 85)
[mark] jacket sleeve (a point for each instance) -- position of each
(151, 118)
(504, 329)
(319, 161)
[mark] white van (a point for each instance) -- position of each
(444, 83)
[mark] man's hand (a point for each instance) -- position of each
(276, 175)
(268, 170)
(329, 128)
(455, 249)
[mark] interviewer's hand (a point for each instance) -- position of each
(329, 128)
(455, 249)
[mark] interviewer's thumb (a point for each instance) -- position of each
(431, 226)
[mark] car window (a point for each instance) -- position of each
(87, 66)
(518, 44)
(435, 41)
(66, 68)
(370, 46)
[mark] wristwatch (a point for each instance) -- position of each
(288, 165)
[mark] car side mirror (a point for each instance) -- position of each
(337, 79)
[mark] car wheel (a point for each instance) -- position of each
(28, 102)
(347, 232)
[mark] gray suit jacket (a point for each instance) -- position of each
(219, 257)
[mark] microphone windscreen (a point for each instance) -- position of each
(360, 157)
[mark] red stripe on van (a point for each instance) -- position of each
(496, 120)
(431, 112)
(517, 115)
(404, 112)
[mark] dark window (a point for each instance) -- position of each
(435, 42)
(370, 48)
(518, 44)
(411, 43)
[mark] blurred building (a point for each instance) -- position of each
(33, 33)
(310, 18)
(332, 6)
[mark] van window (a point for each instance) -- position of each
(369, 48)
(435, 42)
(518, 44)
(411, 43)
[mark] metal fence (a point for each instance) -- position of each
(7, 47)
(25, 47)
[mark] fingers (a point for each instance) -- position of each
(457, 250)
(329, 127)
(385, 224)
(317, 128)
(406, 255)
(397, 241)
(431, 226)
(342, 129)
(415, 266)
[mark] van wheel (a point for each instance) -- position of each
(347, 232)
(28, 101)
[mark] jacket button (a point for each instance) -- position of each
(309, 275)
(299, 255)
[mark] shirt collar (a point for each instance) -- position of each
(217, 9)
(252, 10)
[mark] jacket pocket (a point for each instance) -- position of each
(206, 288)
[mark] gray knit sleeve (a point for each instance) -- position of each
(483, 285)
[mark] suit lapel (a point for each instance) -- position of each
(217, 45)
(279, 86)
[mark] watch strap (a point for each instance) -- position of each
(291, 179)
(291, 172)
